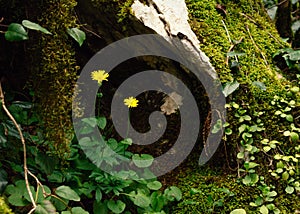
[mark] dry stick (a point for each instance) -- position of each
(24, 148)
(82, 25)
(263, 56)
(252, 20)
(232, 45)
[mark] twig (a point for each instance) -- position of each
(263, 56)
(26, 171)
(252, 20)
(232, 44)
(82, 25)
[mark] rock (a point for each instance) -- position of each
(169, 19)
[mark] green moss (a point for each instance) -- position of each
(4, 209)
(245, 21)
(209, 192)
(55, 80)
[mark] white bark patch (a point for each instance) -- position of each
(169, 18)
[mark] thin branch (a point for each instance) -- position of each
(253, 21)
(82, 25)
(26, 171)
(232, 45)
(263, 56)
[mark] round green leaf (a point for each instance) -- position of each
(240, 155)
(143, 160)
(154, 185)
(173, 192)
(263, 209)
(294, 137)
(266, 148)
(34, 26)
(141, 200)
(295, 89)
(238, 211)
(289, 118)
(67, 193)
(289, 189)
(285, 176)
(228, 131)
(286, 133)
(116, 206)
(16, 32)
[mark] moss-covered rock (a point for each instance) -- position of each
(243, 27)
(54, 81)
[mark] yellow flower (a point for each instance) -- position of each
(131, 102)
(99, 76)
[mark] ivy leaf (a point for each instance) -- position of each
(260, 85)
(34, 26)
(15, 32)
(67, 193)
(143, 160)
(78, 35)
(230, 87)
(116, 206)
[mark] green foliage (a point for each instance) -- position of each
(16, 32)
(238, 211)
(84, 182)
(241, 44)
(290, 56)
(57, 74)
(230, 87)
(77, 35)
